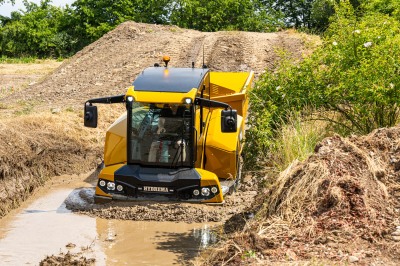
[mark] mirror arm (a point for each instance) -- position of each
(211, 103)
(107, 100)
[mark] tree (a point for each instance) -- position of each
(352, 80)
(9, 1)
(296, 13)
(93, 18)
(389, 7)
(321, 11)
(36, 32)
(203, 15)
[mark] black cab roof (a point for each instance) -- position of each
(163, 79)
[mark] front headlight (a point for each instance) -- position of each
(205, 191)
(196, 192)
(111, 186)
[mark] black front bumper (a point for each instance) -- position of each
(138, 182)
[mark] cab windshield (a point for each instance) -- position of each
(160, 135)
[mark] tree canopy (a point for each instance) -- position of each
(352, 80)
(46, 30)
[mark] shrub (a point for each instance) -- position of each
(353, 79)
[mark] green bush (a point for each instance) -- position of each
(41, 31)
(353, 80)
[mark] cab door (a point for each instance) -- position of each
(202, 116)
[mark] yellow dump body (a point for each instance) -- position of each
(231, 88)
(223, 149)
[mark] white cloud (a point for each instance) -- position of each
(6, 8)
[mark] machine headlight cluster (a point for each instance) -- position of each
(205, 191)
(111, 186)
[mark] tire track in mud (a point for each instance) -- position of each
(229, 46)
(192, 52)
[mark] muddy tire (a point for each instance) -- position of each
(238, 181)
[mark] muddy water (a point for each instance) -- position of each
(44, 227)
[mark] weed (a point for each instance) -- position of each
(26, 108)
(296, 140)
(70, 109)
(250, 254)
(20, 60)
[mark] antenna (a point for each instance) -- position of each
(204, 65)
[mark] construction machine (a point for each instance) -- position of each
(181, 136)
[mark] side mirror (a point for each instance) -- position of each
(229, 120)
(90, 116)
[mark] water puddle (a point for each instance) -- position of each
(45, 227)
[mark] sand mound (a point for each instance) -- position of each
(38, 146)
(341, 187)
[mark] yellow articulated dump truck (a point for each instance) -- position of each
(179, 139)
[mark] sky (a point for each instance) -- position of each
(6, 8)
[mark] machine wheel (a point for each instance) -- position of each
(238, 181)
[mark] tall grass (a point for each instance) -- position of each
(296, 140)
(20, 60)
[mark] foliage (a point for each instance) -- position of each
(96, 17)
(321, 12)
(389, 7)
(353, 79)
(248, 15)
(37, 32)
(21, 60)
(297, 13)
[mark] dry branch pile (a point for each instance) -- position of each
(347, 192)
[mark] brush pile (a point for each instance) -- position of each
(343, 200)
